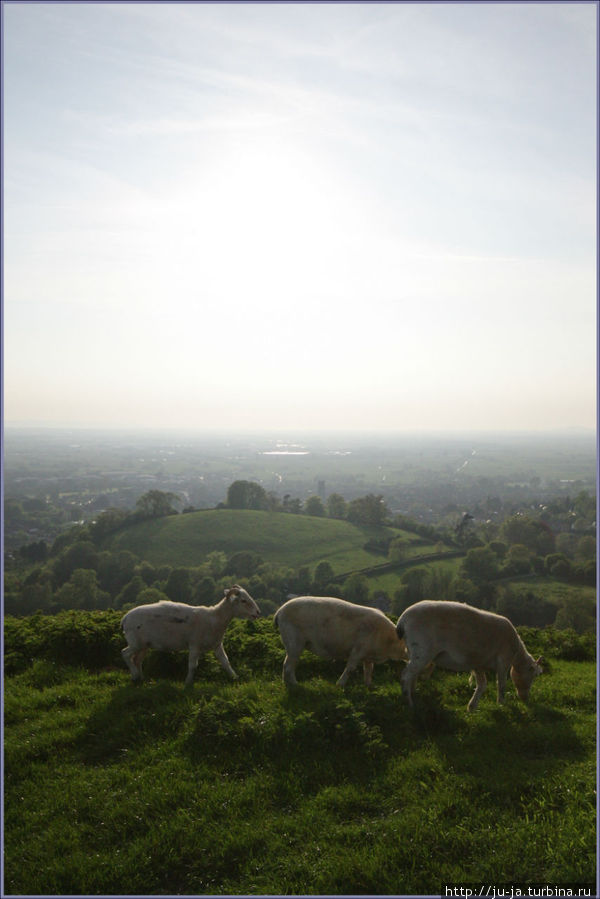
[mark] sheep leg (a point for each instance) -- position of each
(193, 657)
(294, 645)
(353, 660)
(415, 667)
(139, 658)
(289, 669)
(500, 684)
(224, 661)
(368, 672)
(129, 656)
(481, 681)
(428, 671)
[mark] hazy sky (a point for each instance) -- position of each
(300, 215)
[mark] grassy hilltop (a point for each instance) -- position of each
(242, 788)
(282, 539)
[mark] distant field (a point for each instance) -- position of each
(555, 591)
(392, 580)
(294, 540)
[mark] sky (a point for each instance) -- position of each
(344, 216)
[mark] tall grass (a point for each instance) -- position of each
(243, 788)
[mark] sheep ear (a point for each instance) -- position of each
(540, 662)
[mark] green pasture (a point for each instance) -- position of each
(243, 788)
(554, 590)
(292, 540)
(391, 581)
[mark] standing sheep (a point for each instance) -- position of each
(459, 637)
(336, 629)
(171, 626)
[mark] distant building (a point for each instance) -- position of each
(321, 490)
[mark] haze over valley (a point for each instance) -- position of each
(56, 477)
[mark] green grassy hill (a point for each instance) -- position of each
(294, 540)
(241, 788)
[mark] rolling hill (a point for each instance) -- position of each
(294, 540)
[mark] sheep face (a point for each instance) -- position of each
(242, 604)
(523, 678)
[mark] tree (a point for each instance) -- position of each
(147, 572)
(204, 594)
(33, 597)
(323, 574)
(589, 573)
(82, 554)
(400, 601)
(398, 549)
(584, 506)
(566, 544)
(247, 495)
(577, 613)
(273, 502)
(464, 590)
(536, 535)
(34, 552)
(217, 562)
(480, 564)
(314, 506)
(130, 592)
(356, 589)
(586, 549)
(149, 595)
(82, 592)
(115, 570)
(368, 510)
(414, 581)
(178, 586)
(337, 506)
(462, 528)
(301, 581)
(107, 522)
(156, 504)
(438, 583)
(526, 609)
(518, 560)
(243, 563)
(499, 547)
(561, 569)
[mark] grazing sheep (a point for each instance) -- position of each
(336, 629)
(458, 637)
(174, 625)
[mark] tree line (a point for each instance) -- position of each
(75, 572)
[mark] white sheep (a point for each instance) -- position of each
(336, 629)
(171, 626)
(459, 637)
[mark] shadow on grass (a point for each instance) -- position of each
(312, 736)
(136, 715)
(318, 734)
(507, 751)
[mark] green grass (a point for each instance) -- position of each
(242, 788)
(392, 580)
(292, 540)
(554, 590)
